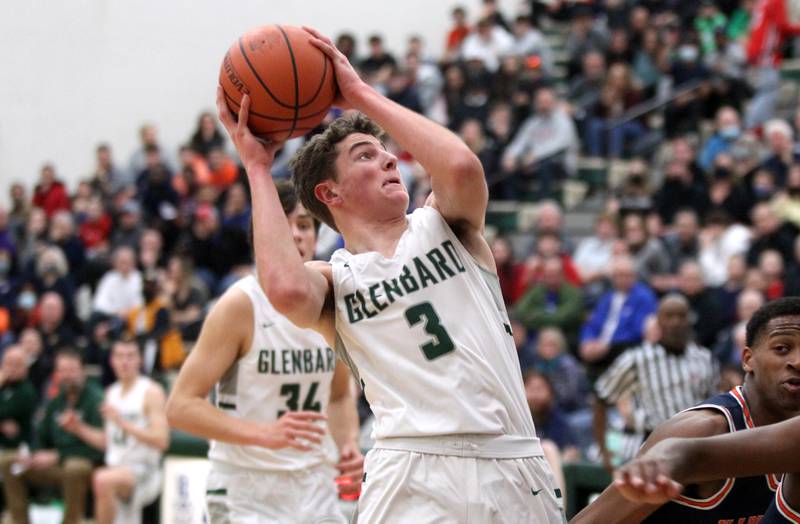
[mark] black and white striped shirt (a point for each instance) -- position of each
(660, 383)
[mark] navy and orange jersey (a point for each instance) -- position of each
(738, 501)
(780, 512)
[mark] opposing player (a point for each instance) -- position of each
(271, 460)
(771, 393)
(413, 304)
(136, 433)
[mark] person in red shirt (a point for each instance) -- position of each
(457, 33)
(50, 193)
(96, 229)
(770, 24)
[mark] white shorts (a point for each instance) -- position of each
(248, 496)
(406, 486)
(146, 489)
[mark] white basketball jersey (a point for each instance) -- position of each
(285, 369)
(122, 448)
(428, 336)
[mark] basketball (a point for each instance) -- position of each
(290, 82)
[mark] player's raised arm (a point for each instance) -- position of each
(456, 173)
(657, 475)
(294, 291)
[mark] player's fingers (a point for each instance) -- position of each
(306, 415)
(244, 112)
(350, 467)
(296, 444)
(317, 34)
(305, 426)
(295, 434)
(225, 115)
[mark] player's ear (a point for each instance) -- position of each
(326, 193)
(747, 356)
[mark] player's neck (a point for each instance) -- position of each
(381, 237)
(762, 412)
(128, 382)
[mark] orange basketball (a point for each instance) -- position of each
(290, 82)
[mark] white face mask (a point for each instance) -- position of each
(688, 53)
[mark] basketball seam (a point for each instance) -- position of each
(321, 82)
(255, 73)
(267, 117)
(296, 80)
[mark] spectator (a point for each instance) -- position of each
(426, 81)
(187, 296)
(728, 130)
(552, 302)
(726, 193)
(651, 259)
(530, 42)
(610, 132)
(207, 136)
(457, 33)
(562, 369)
(707, 313)
(617, 321)
(136, 433)
(95, 231)
(634, 194)
(223, 171)
(52, 274)
(400, 88)
(551, 423)
(593, 254)
(62, 235)
(719, 241)
(642, 372)
(158, 198)
(19, 211)
(509, 271)
(40, 364)
(544, 148)
(69, 442)
(681, 189)
(583, 37)
(487, 44)
(54, 330)
(346, 43)
(584, 89)
(148, 137)
(548, 245)
(107, 178)
(787, 202)
(379, 64)
(727, 349)
(129, 226)
(120, 289)
(17, 400)
(50, 193)
(707, 22)
(646, 61)
(780, 139)
(150, 324)
(770, 263)
(769, 233)
(683, 244)
(793, 272)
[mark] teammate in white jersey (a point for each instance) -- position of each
(412, 303)
(271, 458)
(136, 433)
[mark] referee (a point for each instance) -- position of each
(660, 379)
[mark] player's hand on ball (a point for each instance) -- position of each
(350, 466)
(347, 79)
(650, 479)
(294, 429)
(252, 151)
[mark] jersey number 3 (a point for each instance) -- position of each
(441, 343)
(292, 392)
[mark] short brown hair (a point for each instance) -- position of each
(315, 162)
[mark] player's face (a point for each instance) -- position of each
(774, 362)
(368, 181)
(303, 232)
(125, 361)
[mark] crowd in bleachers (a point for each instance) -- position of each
(679, 102)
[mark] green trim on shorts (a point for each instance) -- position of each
(226, 405)
(220, 491)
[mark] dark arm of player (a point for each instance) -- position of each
(297, 292)
(456, 173)
(769, 449)
(611, 507)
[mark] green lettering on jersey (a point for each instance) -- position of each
(320, 361)
(353, 313)
(424, 273)
(453, 254)
(297, 360)
(286, 360)
(331, 359)
(364, 307)
(392, 288)
(437, 259)
(308, 364)
(374, 299)
(263, 361)
(407, 280)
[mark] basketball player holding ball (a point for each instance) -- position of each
(412, 303)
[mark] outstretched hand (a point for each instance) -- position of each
(650, 479)
(347, 79)
(252, 151)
